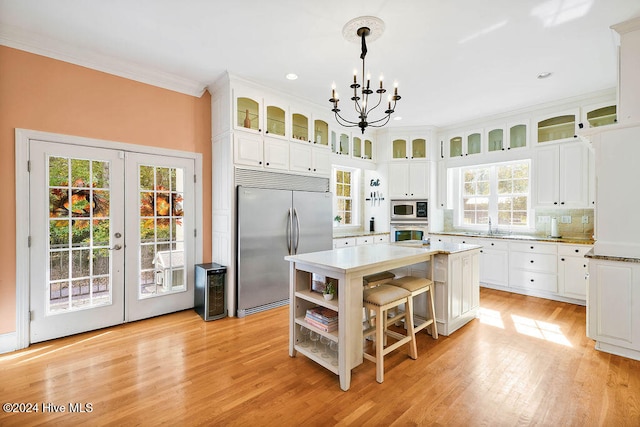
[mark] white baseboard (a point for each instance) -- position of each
(8, 342)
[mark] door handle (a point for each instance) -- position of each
(295, 215)
(116, 248)
(289, 224)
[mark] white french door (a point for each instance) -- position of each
(109, 240)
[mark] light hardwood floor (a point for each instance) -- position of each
(525, 361)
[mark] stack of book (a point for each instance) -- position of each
(322, 318)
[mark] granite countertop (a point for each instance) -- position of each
(569, 240)
(356, 233)
(592, 255)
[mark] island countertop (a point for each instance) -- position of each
(355, 258)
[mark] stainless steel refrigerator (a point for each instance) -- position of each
(271, 225)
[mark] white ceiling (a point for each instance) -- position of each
(454, 60)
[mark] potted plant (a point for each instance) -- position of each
(329, 290)
(337, 219)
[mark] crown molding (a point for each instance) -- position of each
(18, 39)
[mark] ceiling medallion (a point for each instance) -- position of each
(360, 29)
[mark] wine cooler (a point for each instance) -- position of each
(210, 300)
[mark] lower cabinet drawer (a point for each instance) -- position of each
(365, 240)
(533, 280)
(344, 242)
(545, 263)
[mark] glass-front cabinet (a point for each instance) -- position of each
(362, 148)
(495, 139)
(357, 147)
(343, 144)
(455, 146)
(321, 132)
(558, 127)
(409, 148)
(517, 135)
(473, 143)
(466, 144)
(300, 127)
(247, 114)
(419, 148)
(399, 148)
(595, 116)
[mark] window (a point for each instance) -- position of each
(498, 191)
(345, 195)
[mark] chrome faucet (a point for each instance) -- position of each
(490, 231)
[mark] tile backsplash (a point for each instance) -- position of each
(542, 219)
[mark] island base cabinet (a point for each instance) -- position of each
(457, 295)
(613, 307)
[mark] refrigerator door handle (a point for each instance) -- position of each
(289, 226)
(297, 234)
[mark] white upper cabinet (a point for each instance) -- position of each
(276, 118)
(464, 144)
(409, 180)
(320, 132)
(310, 159)
(362, 147)
(557, 127)
(300, 126)
(409, 148)
(247, 114)
(562, 176)
(597, 115)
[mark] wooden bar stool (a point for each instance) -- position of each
(377, 279)
(374, 280)
(417, 286)
(381, 299)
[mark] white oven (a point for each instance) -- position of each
(408, 231)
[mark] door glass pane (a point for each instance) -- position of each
(248, 113)
(473, 143)
(495, 139)
(399, 149)
(419, 148)
(162, 269)
(344, 144)
(275, 120)
(556, 128)
(300, 127)
(357, 147)
(321, 134)
(368, 149)
(79, 234)
(602, 116)
(455, 146)
(518, 136)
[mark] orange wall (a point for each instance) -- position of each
(48, 95)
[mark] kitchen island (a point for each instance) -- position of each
(347, 267)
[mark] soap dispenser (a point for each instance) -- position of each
(371, 225)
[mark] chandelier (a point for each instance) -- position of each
(372, 27)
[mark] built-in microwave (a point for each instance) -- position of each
(414, 210)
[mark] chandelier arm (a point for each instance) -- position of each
(344, 122)
(376, 125)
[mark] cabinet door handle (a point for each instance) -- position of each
(260, 162)
(561, 259)
(492, 244)
(481, 251)
(532, 280)
(562, 203)
(555, 203)
(531, 261)
(577, 250)
(267, 163)
(531, 247)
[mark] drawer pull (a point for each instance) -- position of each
(561, 259)
(531, 261)
(577, 250)
(531, 247)
(481, 251)
(492, 244)
(532, 280)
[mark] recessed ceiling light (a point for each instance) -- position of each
(397, 118)
(291, 76)
(544, 74)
